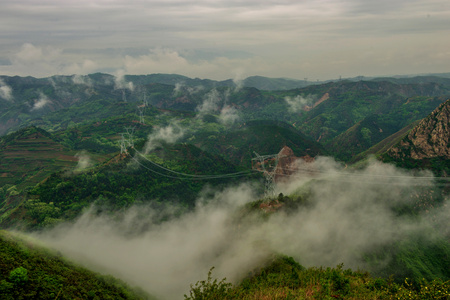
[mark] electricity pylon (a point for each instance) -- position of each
(123, 147)
(130, 132)
(126, 139)
(268, 166)
(145, 102)
(141, 115)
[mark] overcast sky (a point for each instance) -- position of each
(221, 39)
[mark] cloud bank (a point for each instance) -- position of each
(5, 91)
(318, 40)
(40, 102)
(168, 134)
(349, 212)
(84, 161)
(299, 103)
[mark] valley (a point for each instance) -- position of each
(278, 184)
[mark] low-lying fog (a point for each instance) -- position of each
(350, 212)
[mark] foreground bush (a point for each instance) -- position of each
(284, 278)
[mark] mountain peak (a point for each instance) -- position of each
(429, 139)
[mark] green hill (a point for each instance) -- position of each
(28, 271)
(31, 154)
(284, 278)
(170, 174)
(264, 137)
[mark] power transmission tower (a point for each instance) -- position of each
(129, 141)
(123, 147)
(268, 166)
(145, 99)
(141, 114)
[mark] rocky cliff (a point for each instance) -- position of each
(429, 139)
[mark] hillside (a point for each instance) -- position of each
(31, 154)
(384, 145)
(171, 174)
(322, 111)
(29, 271)
(283, 278)
(351, 102)
(167, 159)
(264, 137)
(427, 144)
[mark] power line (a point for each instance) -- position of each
(313, 170)
(191, 176)
(371, 178)
(270, 175)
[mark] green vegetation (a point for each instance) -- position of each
(284, 278)
(31, 154)
(120, 183)
(41, 187)
(28, 271)
(265, 137)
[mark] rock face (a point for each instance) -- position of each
(429, 139)
(288, 163)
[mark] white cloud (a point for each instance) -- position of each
(212, 102)
(169, 134)
(82, 80)
(282, 38)
(299, 102)
(84, 161)
(229, 115)
(349, 212)
(86, 67)
(120, 82)
(5, 91)
(46, 61)
(40, 102)
(238, 79)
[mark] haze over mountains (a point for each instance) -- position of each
(147, 176)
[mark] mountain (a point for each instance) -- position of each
(348, 103)
(170, 174)
(322, 111)
(384, 145)
(427, 144)
(274, 84)
(378, 126)
(264, 137)
(430, 138)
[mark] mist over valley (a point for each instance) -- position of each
(156, 179)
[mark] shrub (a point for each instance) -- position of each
(209, 289)
(18, 276)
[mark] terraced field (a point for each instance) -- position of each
(33, 156)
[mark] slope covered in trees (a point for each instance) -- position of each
(29, 271)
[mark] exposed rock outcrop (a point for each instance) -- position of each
(429, 139)
(288, 164)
